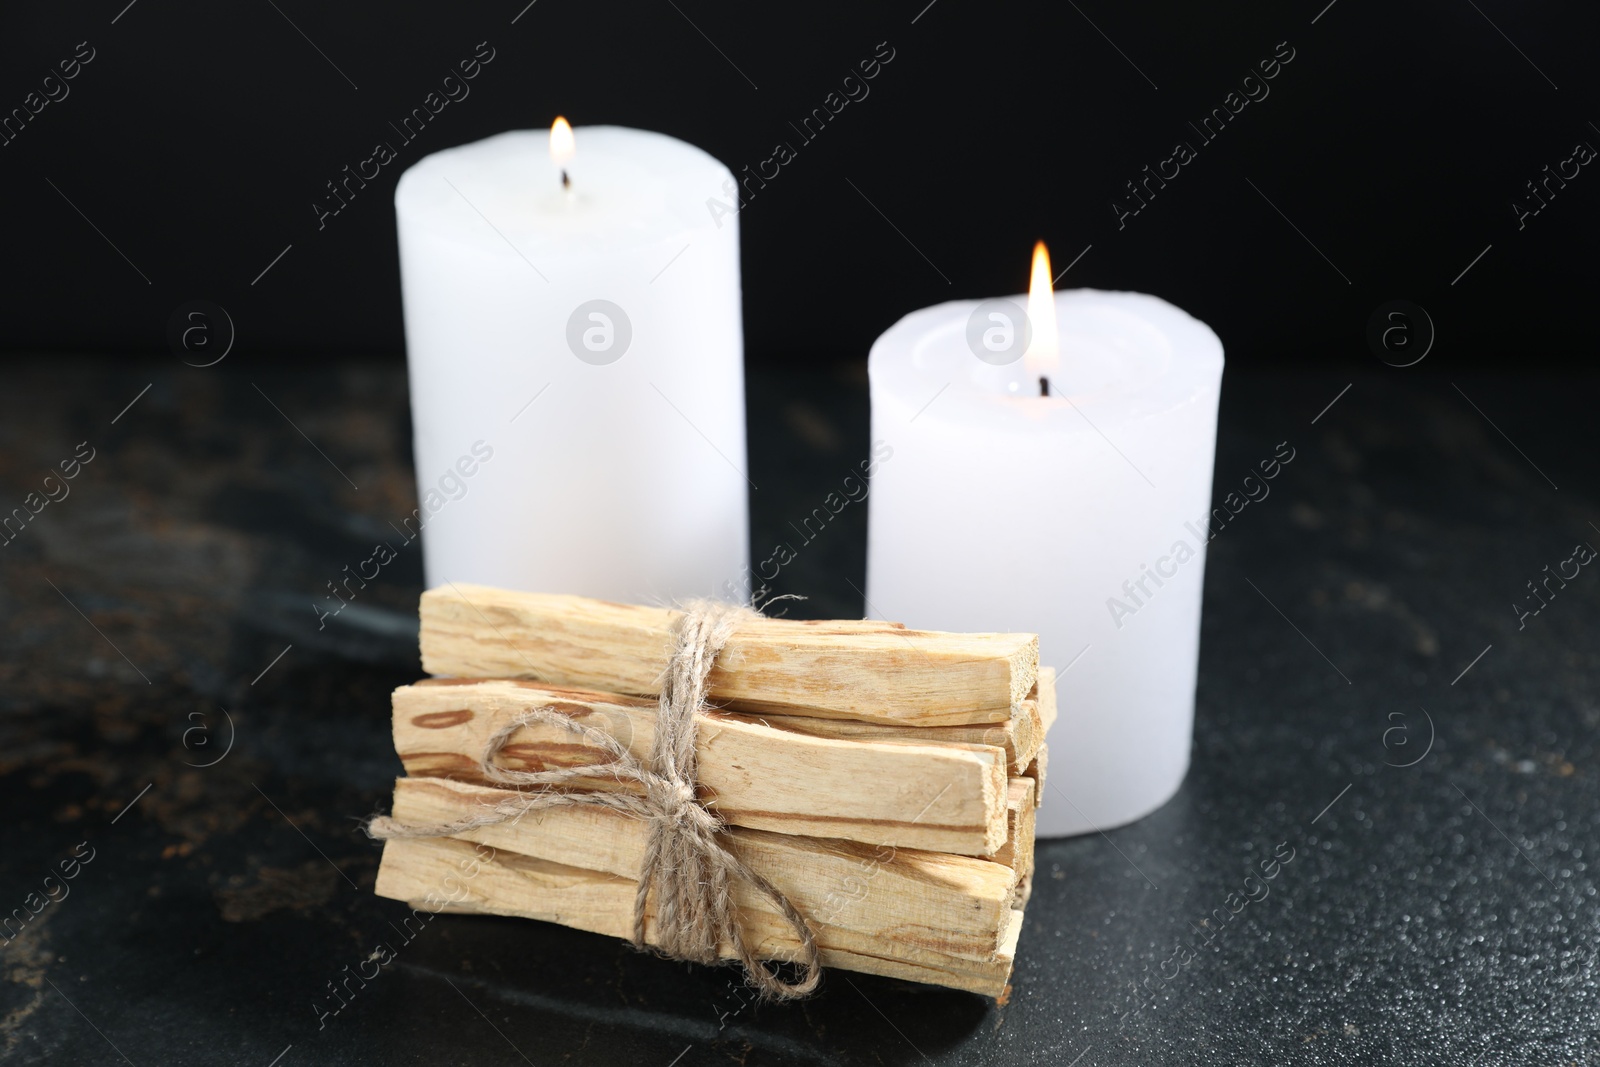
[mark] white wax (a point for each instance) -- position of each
(1002, 510)
(624, 479)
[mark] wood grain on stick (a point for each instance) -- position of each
(938, 797)
(873, 671)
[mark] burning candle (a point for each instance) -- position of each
(1053, 478)
(573, 336)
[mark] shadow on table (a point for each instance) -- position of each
(551, 988)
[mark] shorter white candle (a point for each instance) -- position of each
(1005, 509)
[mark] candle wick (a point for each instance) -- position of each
(1044, 386)
(566, 182)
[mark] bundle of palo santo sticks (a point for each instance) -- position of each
(883, 780)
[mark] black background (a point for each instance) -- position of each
(1396, 141)
(1442, 908)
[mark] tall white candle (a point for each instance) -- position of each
(1005, 509)
(586, 334)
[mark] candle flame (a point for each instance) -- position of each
(562, 144)
(1043, 357)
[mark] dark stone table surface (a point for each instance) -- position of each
(178, 732)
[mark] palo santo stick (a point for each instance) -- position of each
(866, 670)
(1020, 735)
(955, 905)
(1036, 771)
(1047, 701)
(443, 874)
(942, 798)
(1021, 818)
(1047, 718)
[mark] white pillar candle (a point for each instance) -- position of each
(1004, 509)
(597, 283)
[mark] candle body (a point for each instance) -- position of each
(1080, 515)
(583, 351)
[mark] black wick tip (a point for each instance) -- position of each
(1044, 386)
(566, 182)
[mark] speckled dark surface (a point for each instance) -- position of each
(1442, 913)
